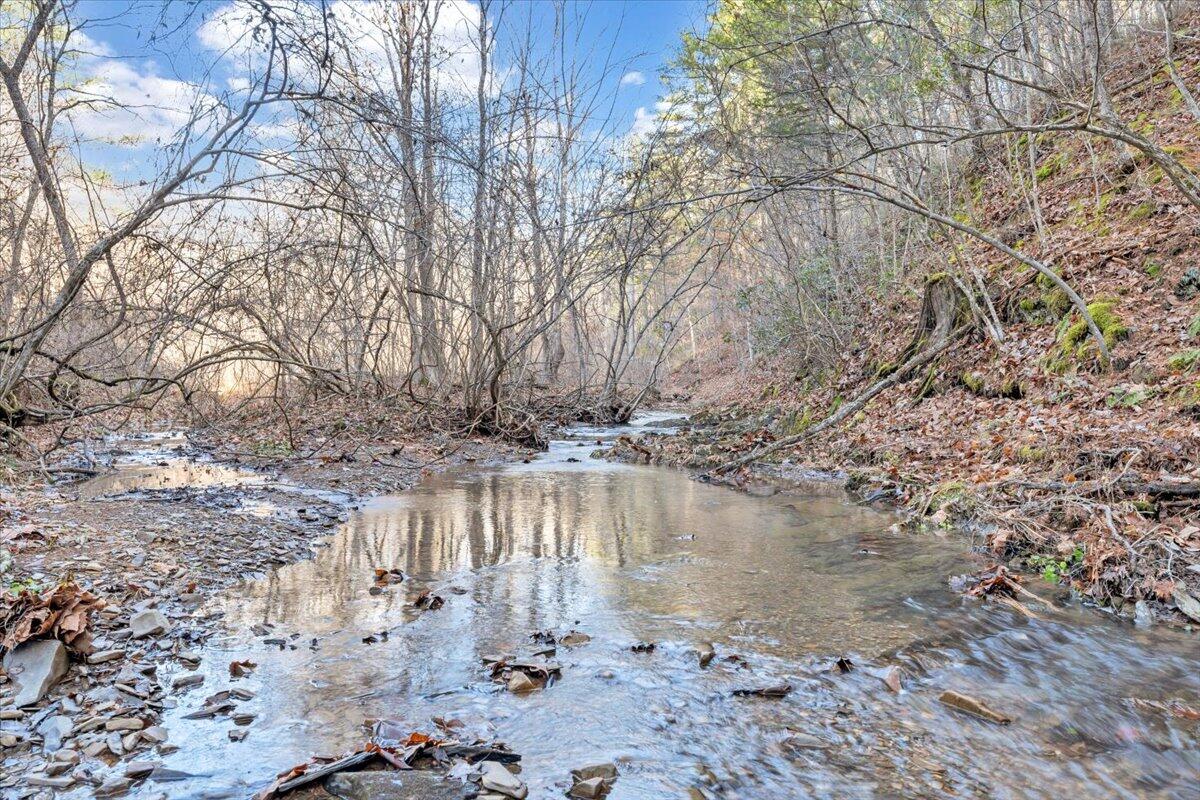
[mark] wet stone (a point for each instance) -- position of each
(36, 666)
(497, 778)
(148, 623)
(393, 785)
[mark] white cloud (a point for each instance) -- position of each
(363, 26)
(644, 122)
(633, 78)
(129, 104)
(665, 116)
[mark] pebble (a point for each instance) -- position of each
(155, 734)
(105, 656)
(519, 683)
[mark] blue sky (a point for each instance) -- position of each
(151, 54)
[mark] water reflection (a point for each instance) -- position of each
(176, 473)
(637, 553)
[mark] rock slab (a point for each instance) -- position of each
(36, 666)
(148, 623)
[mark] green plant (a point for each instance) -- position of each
(1128, 396)
(1184, 361)
(1193, 328)
(1055, 568)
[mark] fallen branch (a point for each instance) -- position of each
(1126, 486)
(849, 409)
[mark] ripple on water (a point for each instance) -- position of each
(782, 586)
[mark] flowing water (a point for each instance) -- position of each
(782, 586)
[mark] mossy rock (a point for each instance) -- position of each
(1075, 344)
(952, 497)
(1184, 361)
(1011, 389)
(1152, 268)
(974, 382)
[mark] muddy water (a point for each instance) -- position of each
(630, 554)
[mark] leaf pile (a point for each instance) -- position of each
(63, 613)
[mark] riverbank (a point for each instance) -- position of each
(142, 534)
(1031, 519)
(832, 661)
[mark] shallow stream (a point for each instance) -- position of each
(782, 586)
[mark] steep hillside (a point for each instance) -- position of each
(1088, 473)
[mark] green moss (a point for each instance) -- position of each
(1056, 303)
(1052, 166)
(1030, 305)
(1143, 124)
(1184, 361)
(974, 382)
(794, 423)
(928, 386)
(1128, 396)
(1152, 268)
(1075, 343)
(1012, 389)
(1187, 398)
(1143, 210)
(1155, 175)
(1030, 455)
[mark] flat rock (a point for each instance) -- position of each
(51, 781)
(104, 656)
(589, 789)
(151, 622)
(53, 730)
(140, 769)
(36, 666)
(124, 724)
(393, 785)
(187, 679)
(497, 778)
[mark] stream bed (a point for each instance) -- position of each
(782, 586)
